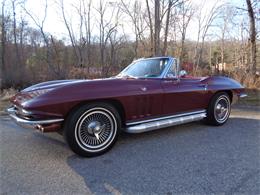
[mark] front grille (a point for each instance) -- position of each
(29, 115)
(23, 113)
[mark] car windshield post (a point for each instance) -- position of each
(171, 71)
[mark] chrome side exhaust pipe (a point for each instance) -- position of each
(40, 128)
(149, 126)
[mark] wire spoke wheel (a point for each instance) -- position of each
(95, 129)
(222, 109)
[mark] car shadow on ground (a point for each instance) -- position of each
(55, 138)
(191, 158)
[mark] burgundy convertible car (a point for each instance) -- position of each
(149, 94)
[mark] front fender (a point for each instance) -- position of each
(220, 83)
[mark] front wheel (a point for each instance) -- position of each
(219, 109)
(92, 129)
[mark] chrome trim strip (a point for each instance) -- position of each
(173, 62)
(166, 117)
(12, 113)
(243, 95)
(166, 69)
(28, 122)
(15, 109)
(11, 110)
(164, 123)
(24, 112)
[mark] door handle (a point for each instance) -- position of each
(174, 81)
(143, 88)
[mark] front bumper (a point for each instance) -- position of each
(237, 97)
(242, 95)
(47, 125)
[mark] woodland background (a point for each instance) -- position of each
(109, 35)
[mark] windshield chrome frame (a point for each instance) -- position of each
(172, 62)
(164, 72)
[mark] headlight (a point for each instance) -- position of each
(38, 92)
(23, 112)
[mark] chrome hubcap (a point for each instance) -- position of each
(222, 109)
(95, 129)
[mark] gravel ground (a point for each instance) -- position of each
(192, 158)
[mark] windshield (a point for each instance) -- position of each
(145, 68)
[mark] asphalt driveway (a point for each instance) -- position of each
(192, 158)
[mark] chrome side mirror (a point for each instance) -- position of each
(182, 73)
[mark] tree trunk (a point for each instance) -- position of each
(252, 32)
(182, 48)
(71, 35)
(151, 28)
(3, 82)
(157, 28)
(17, 59)
(88, 33)
(167, 28)
(222, 54)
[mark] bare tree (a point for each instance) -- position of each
(40, 24)
(81, 45)
(186, 11)
(18, 63)
(161, 9)
(15, 32)
(116, 43)
(168, 11)
(76, 48)
(97, 38)
(226, 17)
(22, 27)
(86, 16)
(3, 45)
(252, 33)
(134, 11)
(204, 23)
(157, 28)
(106, 29)
(151, 27)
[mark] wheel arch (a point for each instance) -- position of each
(229, 92)
(114, 102)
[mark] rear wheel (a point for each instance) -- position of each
(219, 109)
(92, 129)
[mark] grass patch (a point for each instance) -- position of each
(5, 96)
(3, 106)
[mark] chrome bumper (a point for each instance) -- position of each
(238, 97)
(37, 124)
(242, 95)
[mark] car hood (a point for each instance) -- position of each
(39, 89)
(51, 85)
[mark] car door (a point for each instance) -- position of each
(183, 94)
(147, 101)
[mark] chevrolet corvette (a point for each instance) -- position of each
(149, 94)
